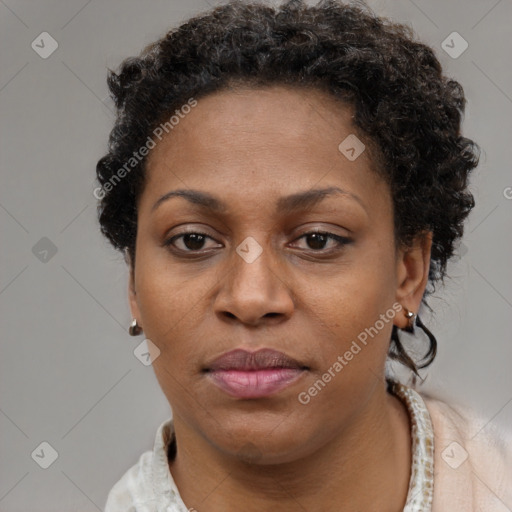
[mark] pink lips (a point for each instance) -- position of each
(244, 374)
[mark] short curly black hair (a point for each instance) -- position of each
(408, 112)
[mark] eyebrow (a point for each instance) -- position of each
(285, 205)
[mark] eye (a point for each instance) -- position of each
(317, 240)
(194, 241)
(191, 241)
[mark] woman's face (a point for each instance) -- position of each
(256, 280)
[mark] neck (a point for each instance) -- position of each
(365, 467)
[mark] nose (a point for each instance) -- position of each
(255, 292)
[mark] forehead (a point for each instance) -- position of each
(261, 143)
(246, 118)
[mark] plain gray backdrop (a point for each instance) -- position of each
(68, 374)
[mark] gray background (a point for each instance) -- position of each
(68, 375)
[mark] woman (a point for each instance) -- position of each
(287, 185)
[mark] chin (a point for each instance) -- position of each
(262, 441)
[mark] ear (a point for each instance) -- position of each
(132, 293)
(413, 263)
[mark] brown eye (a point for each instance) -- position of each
(317, 240)
(190, 241)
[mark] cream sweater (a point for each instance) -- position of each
(472, 468)
(472, 461)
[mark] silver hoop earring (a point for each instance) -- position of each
(411, 320)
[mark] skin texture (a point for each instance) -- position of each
(349, 448)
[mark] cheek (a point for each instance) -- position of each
(169, 315)
(362, 289)
(352, 305)
(359, 315)
(166, 290)
(167, 308)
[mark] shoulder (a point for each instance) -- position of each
(472, 459)
(132, 493)
(147, 486)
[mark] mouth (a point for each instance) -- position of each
(244, 374)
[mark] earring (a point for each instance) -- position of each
(135, 329)
(411, 319)
(398, 352)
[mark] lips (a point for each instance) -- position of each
(263, 359)
(244, 374)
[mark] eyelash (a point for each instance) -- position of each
(341, 240)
